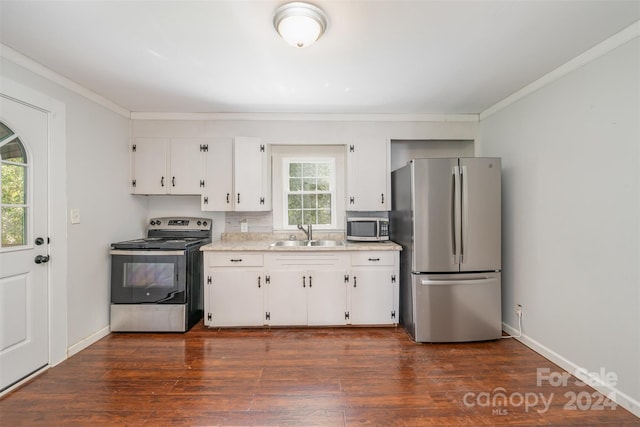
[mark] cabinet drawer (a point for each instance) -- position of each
(235, 260)
(373, 258)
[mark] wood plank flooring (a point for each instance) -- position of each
(301, 377)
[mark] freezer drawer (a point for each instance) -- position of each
(456, 307)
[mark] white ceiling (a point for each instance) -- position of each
(378, 56)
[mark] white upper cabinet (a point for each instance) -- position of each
(368, 176)
(238, 176)
(168, 166)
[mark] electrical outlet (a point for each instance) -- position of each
(518, 310)
(244, 226)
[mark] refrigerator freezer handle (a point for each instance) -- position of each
(464, 199)
(457, 281)
(455, 214)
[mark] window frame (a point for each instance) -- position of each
(26, 205)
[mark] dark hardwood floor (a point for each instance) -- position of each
(303, 377)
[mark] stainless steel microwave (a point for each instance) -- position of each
(363, 229)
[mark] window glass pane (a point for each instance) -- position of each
(295, 169)
(324, 216)
(309, 217)
(13, 184)
(13, 226)
(324, 201)
(323, 184)
(13, 151)
(5, 132)
(324, 170)
(295, 184)
(294, 201)
(295, 217)
(309, 184)
(309, 201)
(309, 169)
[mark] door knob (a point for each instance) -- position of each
(41, 259)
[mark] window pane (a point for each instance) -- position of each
(309, 184)
(294, 201)
(295, 184)
(5, 132)
(13, 152)
(295, 217)
(309, 217)
(295, 169)
(324, 201)
(324, 216)
(323, 184)
(309, 201)
(324, 169)
(309, 169)
(13, 184)
(13, 226)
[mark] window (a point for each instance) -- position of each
(309, 192)
(13, 183)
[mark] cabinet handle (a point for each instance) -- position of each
(236, 260)
(355, 281)
(374, 259)
(259, 281)
(304, 281)
(173, 181)
(162, 181)
(238, 197)
(227, 197)
(309, 281)
(382, 198)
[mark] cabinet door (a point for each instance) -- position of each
(372, 296)
(150, 166)
(287, 297)
(327, 297)
(368, 176)
(186, 160)
(218, 191)
(235, 298)
(252, 175)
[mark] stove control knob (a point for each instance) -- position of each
(204, 223)
(153, 222)
(199, 222)
(158, 222)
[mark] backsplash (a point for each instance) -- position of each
(258, 222)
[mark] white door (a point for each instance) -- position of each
(24, 271)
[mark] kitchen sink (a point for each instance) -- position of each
(307, 243)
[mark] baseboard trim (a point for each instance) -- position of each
(86, 342)
(621, 398)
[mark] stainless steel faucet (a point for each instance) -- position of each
(308, 232)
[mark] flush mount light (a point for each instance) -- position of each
(299, 24)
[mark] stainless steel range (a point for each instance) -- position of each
(157, 281)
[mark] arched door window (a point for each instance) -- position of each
(14, 203)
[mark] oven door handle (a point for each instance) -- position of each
(144, 253)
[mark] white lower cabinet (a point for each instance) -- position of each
(297, 289)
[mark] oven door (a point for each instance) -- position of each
(148, 276)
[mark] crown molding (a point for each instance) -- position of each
(39, 69)
(613, 42)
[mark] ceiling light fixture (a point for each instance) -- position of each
(299, 24)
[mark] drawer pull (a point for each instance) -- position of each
(236, 260)
(374, 259)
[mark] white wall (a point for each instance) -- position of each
(571, 189)
(97, 176)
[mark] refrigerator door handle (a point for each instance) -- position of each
(455, 215)
(456, 281)
(464, 223)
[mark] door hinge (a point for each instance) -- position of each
(267, 280)
(204, 147)
(133, 183)
(393, 314)
(346, 315)
(267, 315)
(205, 200)
(208, 280)
(262, 200)
(262, 148)
(351, 148)
(393, 278)
(352, 200)
(202, 183)
(346, 278)
(209, 317)
(133, 148)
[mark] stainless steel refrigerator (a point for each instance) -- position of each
(446, 214)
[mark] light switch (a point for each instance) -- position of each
(75, 216)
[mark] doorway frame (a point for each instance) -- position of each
(56, 216)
